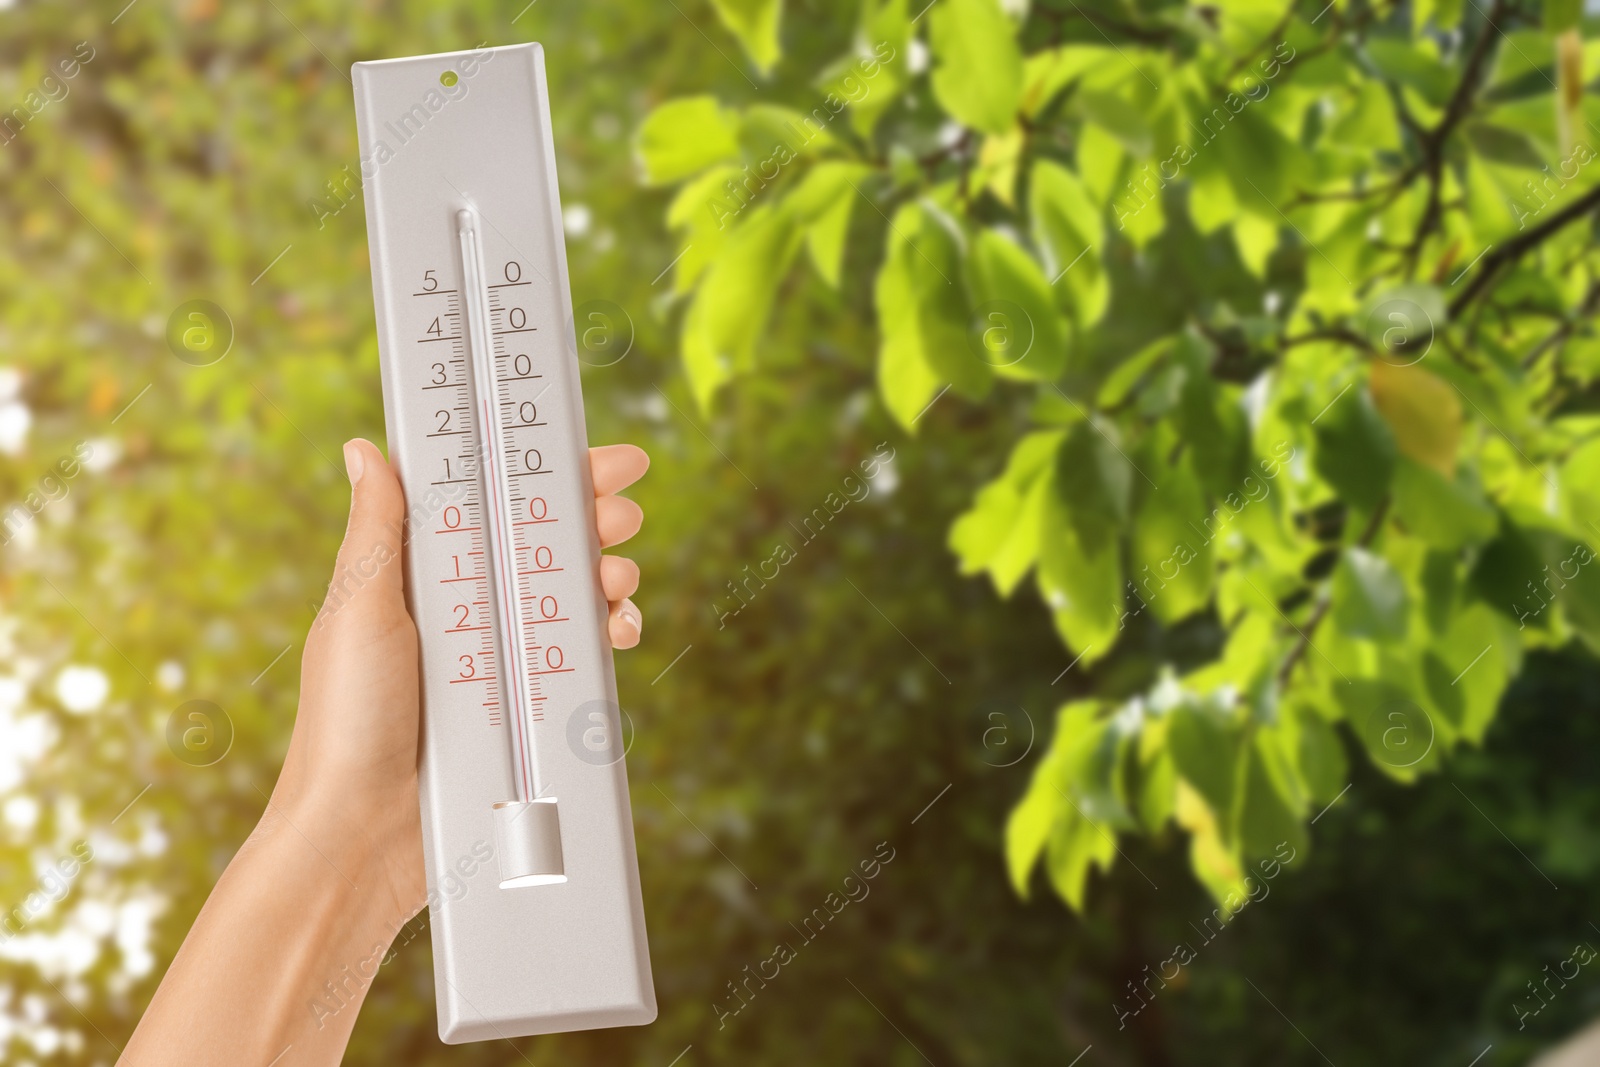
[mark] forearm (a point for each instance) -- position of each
(281, 956)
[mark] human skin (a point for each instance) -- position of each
(334, 868)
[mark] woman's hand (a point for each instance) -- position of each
(353, 756)
(334, 869)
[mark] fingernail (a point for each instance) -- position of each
(354, 462)
(631, 617)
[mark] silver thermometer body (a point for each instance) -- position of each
(533, 881)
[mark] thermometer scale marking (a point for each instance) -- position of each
(540, 515)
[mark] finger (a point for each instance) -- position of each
(619, 577)
(618, 519)
(615, 467)
(625, 624)
(368, 568)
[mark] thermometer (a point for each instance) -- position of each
(533, 881)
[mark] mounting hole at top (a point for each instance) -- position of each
(448, 78)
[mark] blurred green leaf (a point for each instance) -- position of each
(755, 23)
(1000, 270)
(1207, 751)
(1171, 563)
(1369, 596)
(1095, 480)
(1271, 804)
(823, 203)
(1355, 451)
(1441, 512)
(1067, 226)
(730, 308)
(977, 74)
(1081, 584)
(922, 312)
(682, 137)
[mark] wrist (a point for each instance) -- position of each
(356, 845)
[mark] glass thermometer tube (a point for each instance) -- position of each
(526, 826)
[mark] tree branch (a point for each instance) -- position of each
(1159, 35)
(1276, 35)
(1332, 333)
(1523, 243)
(1586, 307)
(1298, 652)
(1432, 143)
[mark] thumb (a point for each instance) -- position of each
(368, 571)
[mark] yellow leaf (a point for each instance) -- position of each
(1569, 72)
(1422, 410)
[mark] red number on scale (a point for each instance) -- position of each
(537, 508)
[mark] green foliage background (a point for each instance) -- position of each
(1212, 349)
